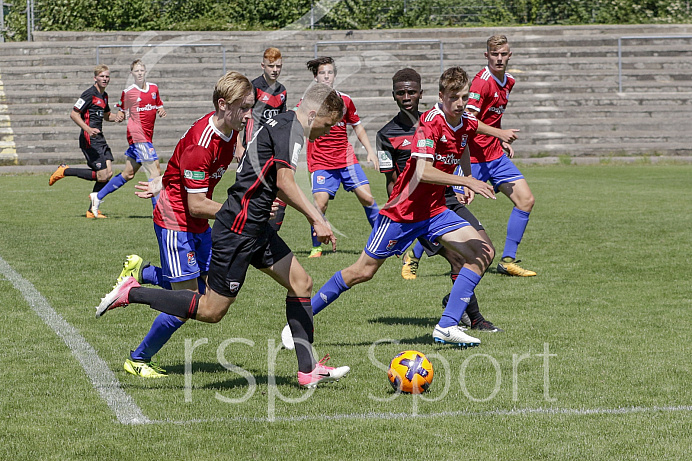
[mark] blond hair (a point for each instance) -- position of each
(100, 68)
(453, 79)
(136, 62)
(231, 87)
(496, 41)
(324, 100)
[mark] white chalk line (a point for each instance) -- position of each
(101, 376)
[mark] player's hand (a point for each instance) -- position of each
(149, 189)
(508, 136)
(480, 187)
(92, 131)
(372, 158)
(276, 204)
(324, 234)
(507, 147)
(162, 112)
(120, 116)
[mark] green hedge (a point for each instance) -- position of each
(346, 14)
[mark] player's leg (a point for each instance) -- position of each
(411, 260)
(324, 186)
(521, 196)
(353, 178)
(114, 183)
(104, 170)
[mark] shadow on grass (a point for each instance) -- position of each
(424, 339)
(326, 253)
(422, 322)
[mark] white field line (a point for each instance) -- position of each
(102, 378)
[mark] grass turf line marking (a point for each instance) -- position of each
(101, 376)
(444, 414)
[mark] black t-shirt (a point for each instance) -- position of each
(270, 101)
(275, 144)
(394, 142)
(92, 105)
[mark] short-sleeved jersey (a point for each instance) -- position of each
(275, 144)
(199, 160)
(142, 105)
(270, 101)
(92, 105)
(413, 201)
(394, 143)
(489, 97)
(332, 151)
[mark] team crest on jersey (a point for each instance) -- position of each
(191, 260)
(282, 97)
(153, 95)
(320, 180)
(391, 244)
(464, 140)
(234, 287)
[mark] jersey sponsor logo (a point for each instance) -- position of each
(297, 147)
(194, 175)
(406, 143)
(474, 96)
(425, 143)
(464, 140)
(391, 244)
(265, 98)
(147, 108)
(270, 113)
(80, 103)
(443, 138)
(191, 260)
(217, 174)
(320, 180)
(448, 159)
(234, 287)
(498, 110)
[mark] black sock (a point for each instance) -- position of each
(181, 303)
(472, 309)
(84, 173)
(99, 185)
(299, 316)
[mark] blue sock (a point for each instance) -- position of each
(114, 184)
(328, 293)
(459, 298)
(516, 226)
(418, 250)
(315, 242)
(371, 212)
(201, 285)
(153, 275)
(161, 331)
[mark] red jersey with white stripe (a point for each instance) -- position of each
(200, 159)
(141, 105)
(489, 97)
(436, 139)
(333, 151)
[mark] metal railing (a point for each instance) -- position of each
(377, 42)
(645, 37)
(174, 45)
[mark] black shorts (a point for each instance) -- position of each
(232, 254)
(96, 152)
(433, 248)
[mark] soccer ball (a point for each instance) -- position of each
(410, 372)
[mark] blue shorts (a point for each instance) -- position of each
(392, 238)
(184, 255)
(498, 171)
(142, 152)
(352, 177)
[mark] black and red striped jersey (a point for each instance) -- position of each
(394, 142)
(270, 101)
(275, 144)
(92, 105)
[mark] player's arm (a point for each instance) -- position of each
(506, 136)
(118, 116)
(365, 141)
(200, 206)
(386, 166)
(290, 193)
(426, 172)
(76, 117)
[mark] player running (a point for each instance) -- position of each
(487, 101)
(242, 235)
(89, 112)
(141, 101)
(332, 160)
(417, 208)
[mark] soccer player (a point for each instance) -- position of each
(417, 208)
(487, 101)
(394, 143)
(141, 101)
(183, 210)
(89, 112)
(242, 235)
(332, 160)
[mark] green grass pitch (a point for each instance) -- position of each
(594, 362)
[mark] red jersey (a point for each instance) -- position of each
(489, 97)
(142, 106)
(413, 201)
(199, 160)
(333, 150)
